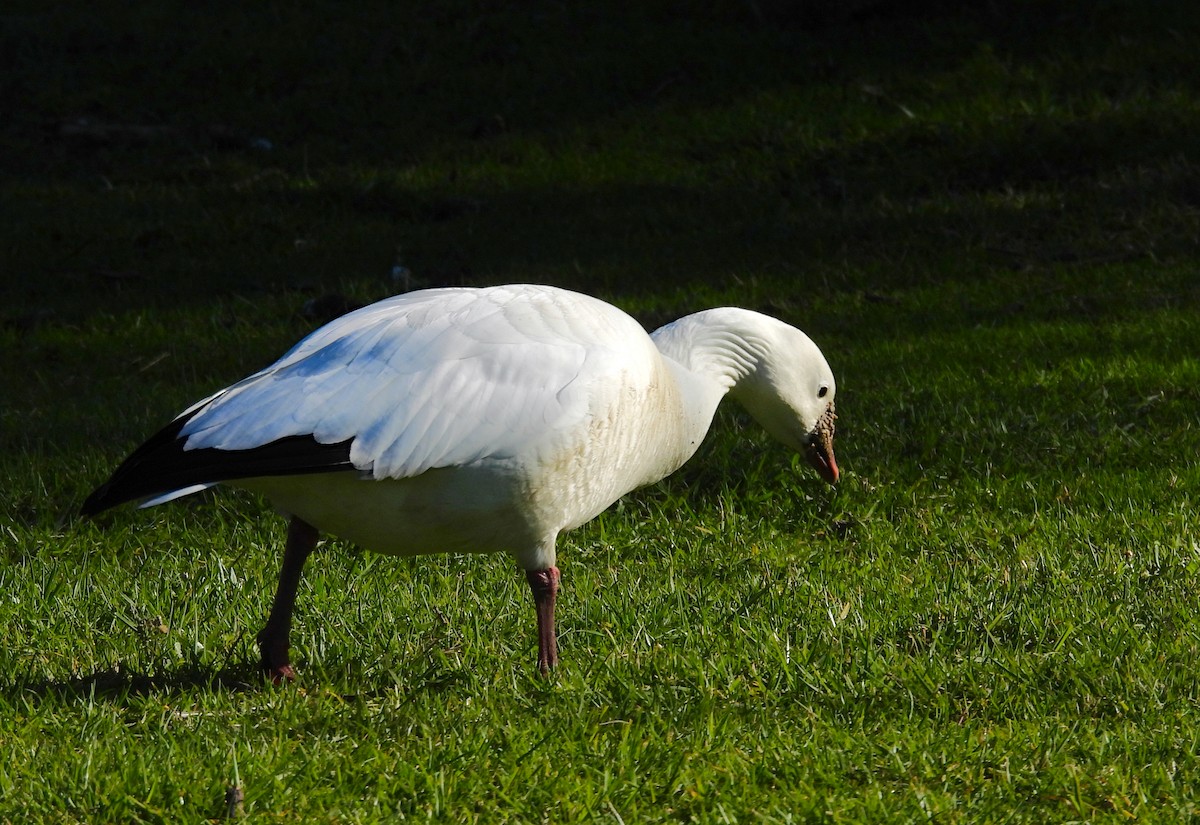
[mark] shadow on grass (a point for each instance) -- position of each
(938, 196)
(118, 686)
(389, 81)
(855, 219)
(115, 685)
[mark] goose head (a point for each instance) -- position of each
(790, 391)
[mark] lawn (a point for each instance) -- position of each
(989, 220)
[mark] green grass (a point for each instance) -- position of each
(988, 219)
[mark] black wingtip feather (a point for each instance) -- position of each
(161, 465)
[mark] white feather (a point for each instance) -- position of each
(174, 494)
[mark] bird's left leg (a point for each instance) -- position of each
(274, 639)
(544, 584)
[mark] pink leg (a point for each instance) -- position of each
(275, 638)
(544, 584)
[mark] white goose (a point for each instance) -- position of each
(478, 420)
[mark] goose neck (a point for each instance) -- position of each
(712, 347)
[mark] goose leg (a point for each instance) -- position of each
(544, 584)
(275, 638)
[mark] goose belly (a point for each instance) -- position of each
(450, 510)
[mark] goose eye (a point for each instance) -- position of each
(821, 393)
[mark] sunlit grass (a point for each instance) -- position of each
(988, 222)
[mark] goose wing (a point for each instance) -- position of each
(430, 379)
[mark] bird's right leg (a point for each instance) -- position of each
(544, 585)
(274, 639)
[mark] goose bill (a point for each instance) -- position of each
(820, 448)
